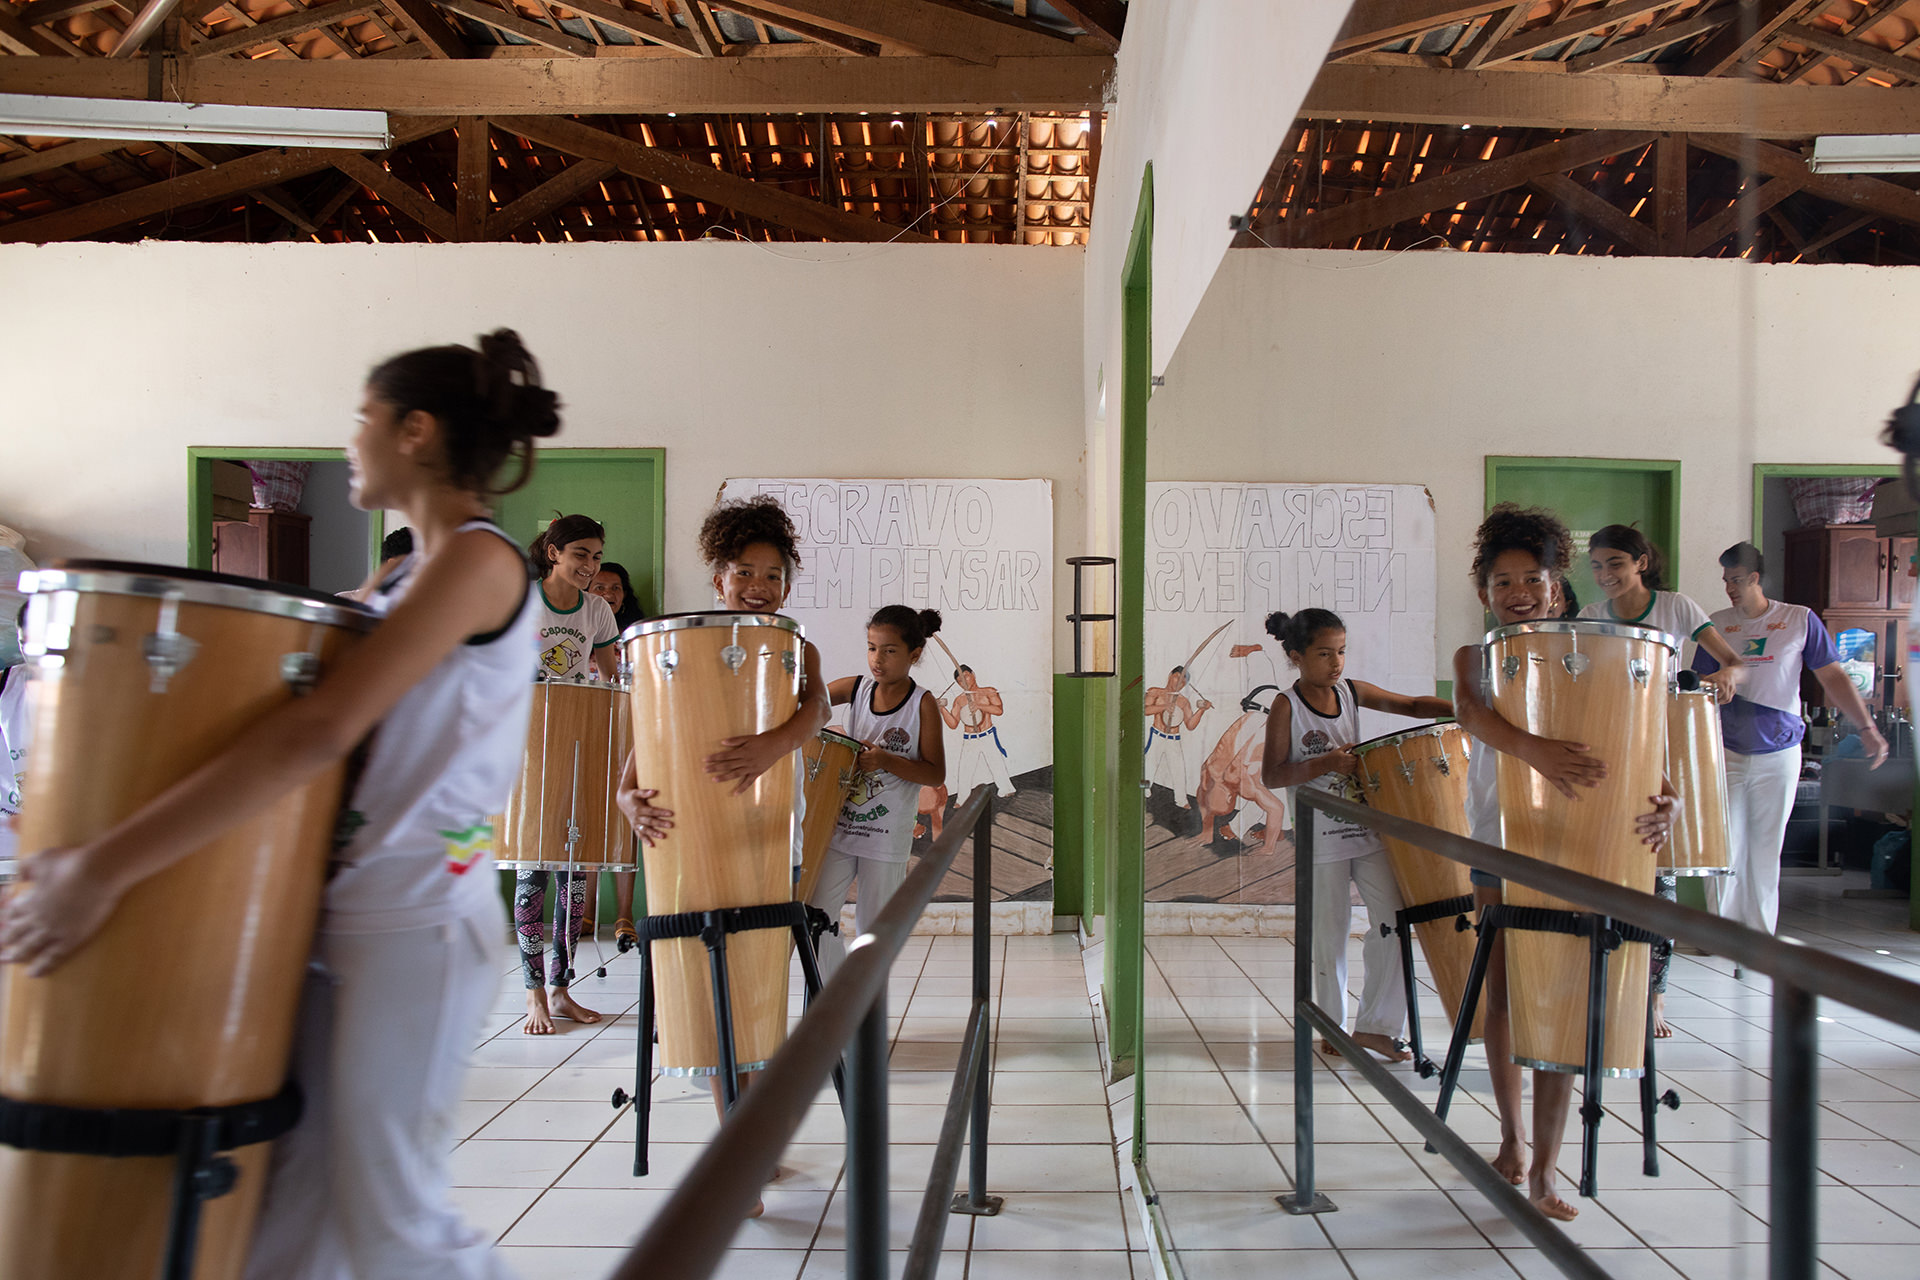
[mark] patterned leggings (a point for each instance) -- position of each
(1667, 887)
(529, 904)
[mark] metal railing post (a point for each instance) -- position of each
(1793, 1137)
(977, 1200)
(1304, 1198)
(867, 1146)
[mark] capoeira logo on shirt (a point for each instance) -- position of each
(464, 848)
(563, 655)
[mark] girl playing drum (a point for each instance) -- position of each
(411, 919)
(1309, 732)
(574, 632)
(1520, 557)
(899, 724)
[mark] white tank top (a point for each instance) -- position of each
(1312, 735)
(877, 820)
(415, 844)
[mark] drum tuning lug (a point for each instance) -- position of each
(215, 1178)
(1577, 664)
(300, 671)
(1639, 670)
(1510, 665)
(101, 633)
(1406, 771)
(1444, 764)
(734, 656)
(787, 661)
(667, 661)
(166, 652)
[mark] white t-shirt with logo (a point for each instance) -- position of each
(1313, 735)
(568, 638)
(877, 820)
(1776, 647)
(1668, 611)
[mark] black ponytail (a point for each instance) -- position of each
(489, 402)
(1295, 631)
(556, 536)
(915, 628)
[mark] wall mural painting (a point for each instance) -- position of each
(1220, 558)
(981, 552)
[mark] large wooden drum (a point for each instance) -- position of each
(1697, 767)
(699, 678)
(829, 765)
(562, 814)
(187, 996)
(1421, 775)
(1603, 684)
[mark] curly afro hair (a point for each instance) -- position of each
(1512, 527)
(731, 527)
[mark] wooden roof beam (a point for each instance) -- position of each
(1742, 38)
(20, 39)
(1530, 42)
(1552, 99)
(706, 36)
(236, 177)
(690, 179)
(434, 31)
(1857, 52)
(397, 194)
(1590, 206)
(1341, 223)
(513, 24)
(610, 86)
(1659, 38)
(917, 26)
(641, 26)
(1377, 22)
(561, 189)
(810, 30)
(1104, 20)
(299, 22)
(1711, 231)
(1857, 191)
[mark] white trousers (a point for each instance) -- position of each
(1759, 802)
(359, 1190)
(1167, 764)
(878, 880)
(1383, 991)
(979, 760)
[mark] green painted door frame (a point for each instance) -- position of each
(200, 460)
(1125, 956)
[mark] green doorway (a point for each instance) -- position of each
(1590, 492)
(624, 489)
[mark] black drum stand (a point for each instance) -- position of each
(807, 924)
(1604, 935)
(198, 1141)
(1461, 909)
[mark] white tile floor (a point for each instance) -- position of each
(1219, 1128)
(544, 1160)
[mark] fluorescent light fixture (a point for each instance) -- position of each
(1867, 153)
(137, 119)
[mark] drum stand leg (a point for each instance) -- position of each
(714, 935)
(1469, 1004)
(200, 1173)
(1421, 1063)
(806, 938)
(1651, 1100)
(1600, 943)
(642, 1098)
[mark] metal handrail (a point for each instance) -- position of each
(1800, 975)
(692, 1231)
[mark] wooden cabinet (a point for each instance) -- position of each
(1853, 579)
(271, 545)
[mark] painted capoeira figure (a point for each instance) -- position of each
(1169, 715)
(980, 758)
(1230, 780)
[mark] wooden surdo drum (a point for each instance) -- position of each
(829, 768)
(1697, 767)
(186, 998)
(699, 678)
(1603, 684)
(1421, 775)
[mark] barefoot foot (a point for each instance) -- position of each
(1556, 1208)
(1661, 1028)
(1329, 1050)
(539, 1021)
(759, 1207)
(565, 1007)
(1386, 1046)
(1510, 1162)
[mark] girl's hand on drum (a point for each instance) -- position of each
(744, 758)
(649, 823)
(53, 908)
(1656, 828)
(871, 759)
(1339, 760)
(1565, 764)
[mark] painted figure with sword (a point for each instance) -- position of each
(973, 711)
(1171, 713)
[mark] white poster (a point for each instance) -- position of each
(979, 551)
(1220, 558)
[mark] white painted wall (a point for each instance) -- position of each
(1332, 366)
(814, 360)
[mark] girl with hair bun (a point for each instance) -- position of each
(411, 919)
(1311, 731)
(899, 724)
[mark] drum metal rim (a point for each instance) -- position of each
(1580, 627)
(160, 582)
(1572, 1069)
(579, 682)
(711, 1071)
(1435, 730)
(844, 739)
(580, 868)
(668, 622)
(1693, 871)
